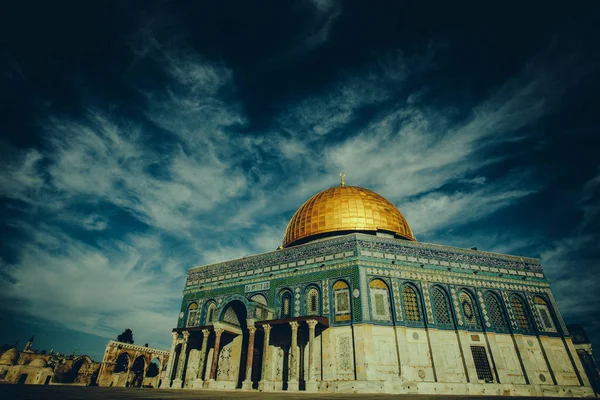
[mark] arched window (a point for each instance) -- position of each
(469, 310)
(497, 316)
(441, 311)
(312, 301)
(286, 304)
(544, 312)
(520, 314)
(341, 295)
(380, 300)
(192, 315)
(411, 304)
(210, 313)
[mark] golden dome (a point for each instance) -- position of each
(345, 209)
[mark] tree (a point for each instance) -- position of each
(126, 336)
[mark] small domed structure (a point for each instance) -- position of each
(345, 209)
(9, 357)
(38, 363)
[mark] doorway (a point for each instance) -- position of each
(22, 379)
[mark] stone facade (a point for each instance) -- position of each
(370, 313)
(583, 346)
(127, 365)
(33, 368)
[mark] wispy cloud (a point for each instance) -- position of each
(322, 15)
(94, 289)
(185, 181)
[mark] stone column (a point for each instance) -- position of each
(129, 365)
(311, 383)
(202, 361)
(265, 384)
(247, 384)
(215, 360)
(294, 359)
(177, 383)
(174, 336)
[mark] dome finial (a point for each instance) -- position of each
(342, 176)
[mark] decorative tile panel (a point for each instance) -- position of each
(334, 248)
(427, 304)
(397, 305)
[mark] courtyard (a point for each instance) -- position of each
(31, 392)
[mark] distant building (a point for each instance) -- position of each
(128, 365)
(32, 368)
(584, 351)
(351, 302)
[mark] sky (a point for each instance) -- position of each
(139, 139)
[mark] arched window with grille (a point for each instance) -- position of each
(469, 310)
(543, 310)
(520, 313)
(411, 304)
(192, 315)
(211, 308)
(285, 305)
(441, 308)
(341, 295)
(313, 306)
(496, 313)
(379, 294)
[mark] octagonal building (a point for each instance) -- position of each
(351, 302)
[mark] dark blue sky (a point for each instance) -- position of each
(139, 139)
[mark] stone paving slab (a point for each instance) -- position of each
(31, 392)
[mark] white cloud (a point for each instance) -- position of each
(20, 178)
(222, 196)
(98, 290)
(440, 211)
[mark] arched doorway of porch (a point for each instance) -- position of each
(229, 354)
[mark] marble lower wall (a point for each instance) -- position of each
(373, 358)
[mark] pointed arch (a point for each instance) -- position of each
(286, 303)
(545, 313)
(137, 371)
(210, 313)
(411, 298)
(313, 300)
(496, 312)
(441, 308)
(522, 316)
(469, 309)
(379, 296)
(192, 315)
(122, 362)
(259, 298)
(341, 303)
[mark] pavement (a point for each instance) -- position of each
(35, 392)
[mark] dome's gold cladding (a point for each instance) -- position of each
(345, 208)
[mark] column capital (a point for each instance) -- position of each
(186, 335)
(294, 325)
(267, 328)
(174, 335)
(219, 331)
(312, 323)
(205, 333)
(250, 323)
(252, 330)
